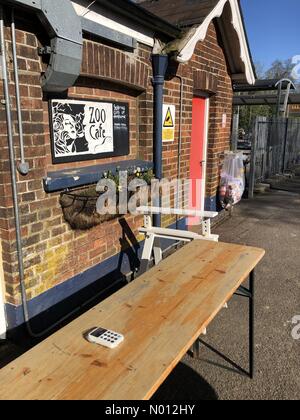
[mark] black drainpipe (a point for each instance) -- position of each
(160, 65)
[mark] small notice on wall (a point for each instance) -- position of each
(169, 116)
(224, 120)
(86, 130)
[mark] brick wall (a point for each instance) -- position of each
(209, 57)
(53, 251)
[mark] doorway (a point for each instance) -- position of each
(198, 162)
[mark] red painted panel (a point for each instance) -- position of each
(197, 155)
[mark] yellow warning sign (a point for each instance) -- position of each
(169, 123)
(168, 135)
(169, 114)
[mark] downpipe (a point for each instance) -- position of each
(179, 147)
(160, 64)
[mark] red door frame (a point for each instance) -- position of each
(198, 155)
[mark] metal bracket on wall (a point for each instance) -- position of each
(108, 34)
(45, 51)
(63, 26)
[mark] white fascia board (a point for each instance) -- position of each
(200, 34)
(146, 38)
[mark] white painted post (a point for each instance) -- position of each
(158, 254)
(206, 228)
(253, 158)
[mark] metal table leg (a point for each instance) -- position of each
(249, 294)
(196, 349)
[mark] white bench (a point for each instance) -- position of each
(155, 234)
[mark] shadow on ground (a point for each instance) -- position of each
(184, 384)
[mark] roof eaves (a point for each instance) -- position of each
(137, 13)
(247, 38)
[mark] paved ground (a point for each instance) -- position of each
(271, 221)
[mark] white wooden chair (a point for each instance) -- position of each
(154, 234)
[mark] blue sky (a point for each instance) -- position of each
(273, 28)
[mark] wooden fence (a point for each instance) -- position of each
(275, 148)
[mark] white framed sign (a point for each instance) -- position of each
(87, 130)
(169, 121)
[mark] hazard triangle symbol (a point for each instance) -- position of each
(169, 123)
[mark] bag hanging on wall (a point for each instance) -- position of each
(232, 184)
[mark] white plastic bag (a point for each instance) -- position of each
(232, 185)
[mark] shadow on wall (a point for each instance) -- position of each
(130, 247)
(86, 298)
(184, 384)
(76, 305)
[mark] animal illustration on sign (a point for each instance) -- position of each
(169, 119)
(82, 128)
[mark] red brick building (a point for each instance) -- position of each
(74, 55)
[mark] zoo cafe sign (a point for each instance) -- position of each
(88, 130)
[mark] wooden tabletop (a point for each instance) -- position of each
(161, 315)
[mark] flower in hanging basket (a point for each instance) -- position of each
(80, 207)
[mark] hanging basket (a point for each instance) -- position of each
(79, 209)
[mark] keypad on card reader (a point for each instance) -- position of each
(106, 338)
